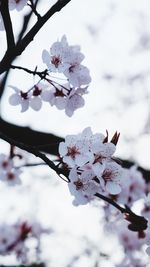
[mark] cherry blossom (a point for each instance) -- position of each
(80, 152)
(110, 177)
(130, 241)
(102, 152)
(13, 238)
(8, 173)
(148, 242)
(133, 186)
(82, 186)
(17, 4)
(76, 150)
(26, 99)
(67, 60)
(55, 60)
(64, 97)
(6, 163)
(12, 177)
(146, 213)
(73, 151)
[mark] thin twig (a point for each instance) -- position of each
(34, 10)
(137, 223)
(28, 38)
(36, 153)
(41, 74)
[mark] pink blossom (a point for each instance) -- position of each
(110, 177)
(82, 186)
(133, 186)
(73, 151)
(17, 4)
(26, 99)
(55, 60)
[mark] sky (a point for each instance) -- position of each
(115, 38)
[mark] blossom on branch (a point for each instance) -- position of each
(32, 98)
(8, 173)
(67, 59)
(88, 154)
(82, 186)
(64, 97)
(13, 239)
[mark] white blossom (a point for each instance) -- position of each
(8, 173)
(82, 186)
(64, 97)
(133, 186)
(67, 60)
(73, 151)
(27, 99)
(12, 177)
(110, 177)
(55, 59)
(17, 4)
(102, 152)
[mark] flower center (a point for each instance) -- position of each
(36, 91)
(107, 175)
(5, 164)
(72, 152)
(59, 93)
(10, 176)
(99, 158)
(24, 95)
(78, 184)
(56, 61)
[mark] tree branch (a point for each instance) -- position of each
(35, 152)
(34, 10)
(20, 47)
(41, 74)
(8, 24)
(137, 223)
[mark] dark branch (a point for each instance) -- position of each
(35, 152)
(8, 24)
(20, 47)
(137, 223)
(41, 74)
(48, 142)
(34, 10)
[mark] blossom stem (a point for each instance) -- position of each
(36, 153)
(134, 219)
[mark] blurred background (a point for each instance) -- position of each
(115, 38)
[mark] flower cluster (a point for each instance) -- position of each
(8, 172)
(89, 157)
(13, 238)
(68, 96)
(67, 59)
(133, 186)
